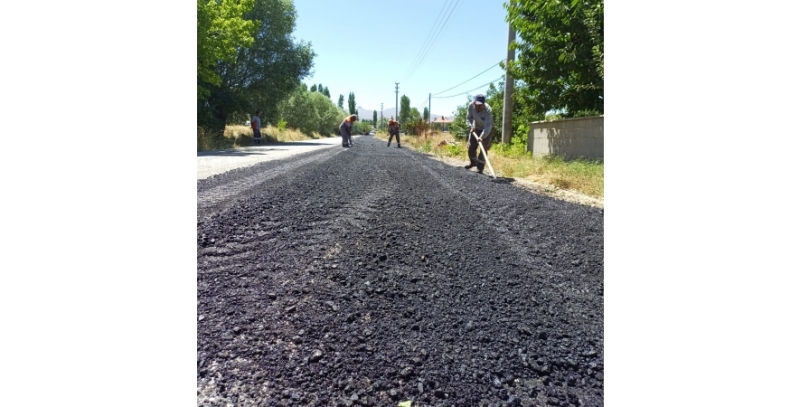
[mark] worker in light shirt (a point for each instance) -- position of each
(479, 121)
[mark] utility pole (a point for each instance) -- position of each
(430, 114)
(396, 89)
(509, 89)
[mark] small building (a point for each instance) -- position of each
(441, 123)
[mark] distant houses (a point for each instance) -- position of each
(441, 123)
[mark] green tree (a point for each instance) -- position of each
(351, 103)
(299, 112)
(328, 114)
(405, 109)
(261, 75)
(362, 127)
(340, 104)
(383, 123)
(494, 98)
(374, 117)
(459, 126)
(426, 114)
(560, 63)
(313, 88)
(311, 112)
(221, 31)
(326, 92)
(594, 24)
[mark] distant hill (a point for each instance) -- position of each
(364, 113)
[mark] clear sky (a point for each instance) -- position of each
(428, 46)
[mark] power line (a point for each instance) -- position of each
(464, 93)
(433, 28)
(422, 105)
(438, 34)
(487, 70)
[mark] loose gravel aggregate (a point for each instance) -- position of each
(373, 275)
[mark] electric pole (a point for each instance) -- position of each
(396, 89)
(430, 114)
(509, 89)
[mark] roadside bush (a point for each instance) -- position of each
(328, 113)
(362, 127)
(208, 139)
(281, 125)
(300, 113)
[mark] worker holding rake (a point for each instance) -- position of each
(479, 121)
(394, 131)
(346, 129)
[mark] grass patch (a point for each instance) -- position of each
(242, 136)
(584, 176)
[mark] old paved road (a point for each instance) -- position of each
(374, 275)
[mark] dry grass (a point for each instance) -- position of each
(583, 176)
(242, 136)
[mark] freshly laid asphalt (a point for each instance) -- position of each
(374, 275)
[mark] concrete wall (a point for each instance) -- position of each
(570, 138)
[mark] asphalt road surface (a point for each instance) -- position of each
(375, 275)
(210, 163)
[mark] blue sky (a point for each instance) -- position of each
(365, 46)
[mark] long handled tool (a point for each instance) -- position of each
(485, 156)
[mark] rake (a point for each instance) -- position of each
(485, 156)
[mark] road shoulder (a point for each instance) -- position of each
(539, 188)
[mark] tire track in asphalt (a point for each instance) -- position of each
(367, 259)
(216, 198)
(337, 218)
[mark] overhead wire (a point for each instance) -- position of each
(487, 70)
(438, 35)
(464, 93)
(430, 45)
(424, 43)
(422, 106)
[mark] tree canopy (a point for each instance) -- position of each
(310, 112)
(351, 103)
(221, 31)
(405, 109)
(560, 60)
(261, 74)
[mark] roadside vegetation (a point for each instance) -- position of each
(236, 136)
(512, 161)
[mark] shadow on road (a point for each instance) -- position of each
(503, 180)
(302, 143)
(256, 150)
(238, 152)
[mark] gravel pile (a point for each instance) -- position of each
(374, 275)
